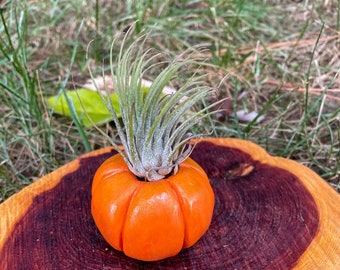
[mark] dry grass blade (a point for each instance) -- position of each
(331, 93)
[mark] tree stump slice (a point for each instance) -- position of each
(270, 213)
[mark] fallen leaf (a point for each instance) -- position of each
(85, 99)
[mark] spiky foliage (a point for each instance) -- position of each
(153, 131)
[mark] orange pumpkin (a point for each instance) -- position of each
(151, 220)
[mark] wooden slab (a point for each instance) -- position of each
(265, 217)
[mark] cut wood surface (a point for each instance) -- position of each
(270, 213)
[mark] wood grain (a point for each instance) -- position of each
(270, 213)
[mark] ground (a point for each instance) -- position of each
(281, 61)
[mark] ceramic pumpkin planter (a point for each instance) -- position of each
(151, 220)
(150, 200)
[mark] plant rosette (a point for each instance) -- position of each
(151, 200)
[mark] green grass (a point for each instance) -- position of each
(259, 50)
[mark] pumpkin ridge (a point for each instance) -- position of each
(138, 187)
(181, 203)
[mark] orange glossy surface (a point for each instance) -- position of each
(151, 220)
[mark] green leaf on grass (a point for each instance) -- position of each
(86, 99)
(89, 100)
